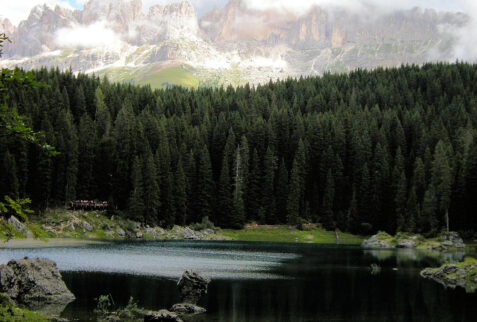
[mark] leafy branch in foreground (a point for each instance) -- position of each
(11, 123)
(18, 207)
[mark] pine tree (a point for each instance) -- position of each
(400, 202)
(429, 210)
(224, 195)
(328, 201)
(136, 203)
(268, 179)
(86, 150)
(294, 195)
(9, 181)
(282, 192)
(442, 181)
(205, 186)
(252, 199)
(412, 211)
(240, 173)
(151, 192)
(180, 195)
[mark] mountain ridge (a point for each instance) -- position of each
(230, 45)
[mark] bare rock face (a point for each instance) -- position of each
(34, 280)
(192, 286)
(6, 26)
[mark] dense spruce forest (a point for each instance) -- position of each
(389, 149)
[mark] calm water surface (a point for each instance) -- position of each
(261, 281)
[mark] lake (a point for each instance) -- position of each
(260, 281)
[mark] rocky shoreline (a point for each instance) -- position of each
(445, 241)
(96, 225)
(452, 275)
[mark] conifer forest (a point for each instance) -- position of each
(388, 149)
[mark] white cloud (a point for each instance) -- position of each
(465, 47)
(302, 6)
(92, 36)
(18, 10)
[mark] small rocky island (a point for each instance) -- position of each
(192, 286)
(451, 275)
(443, 242)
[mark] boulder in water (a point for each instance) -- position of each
(187, 308)
(34, 280)
(162, 316)
(192, 286)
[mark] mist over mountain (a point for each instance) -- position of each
(241, 42)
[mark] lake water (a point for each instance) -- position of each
(260, 281)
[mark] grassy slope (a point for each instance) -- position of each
(10, 313)
(173, 75)
(286, 234)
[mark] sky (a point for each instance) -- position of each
(18, 10)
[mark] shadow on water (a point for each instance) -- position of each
(295, 282)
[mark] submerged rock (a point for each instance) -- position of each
(162, 316)
(16, 224)
(35, 280)
(187, 308)
(192, 286)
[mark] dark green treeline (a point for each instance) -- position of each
(385, 149)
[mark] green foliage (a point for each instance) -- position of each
(204, 224)
(104, 303)
(10, 312)
(18, 208)
(375, 269)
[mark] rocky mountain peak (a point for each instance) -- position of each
(36, 34)
(119, 13)
(176, 9)
(6, 26)
(175, 20)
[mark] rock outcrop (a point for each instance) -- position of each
(35, 280)
(16, 224)
(380, 240)
(410, 242)
(452, 239)
(192, 286)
